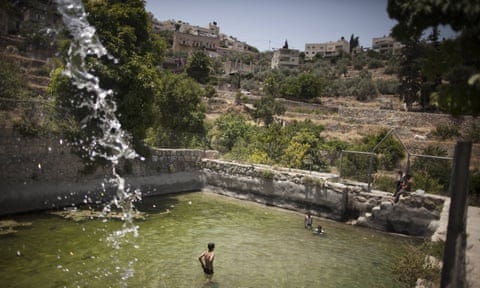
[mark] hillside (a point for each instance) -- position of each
(344, 117)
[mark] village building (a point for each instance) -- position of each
(285, 57)
(328, 49)
(386, 44)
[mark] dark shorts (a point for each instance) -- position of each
(208, 271)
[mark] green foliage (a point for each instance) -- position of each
(384, 183)
(426, 183)
(304, 86)
(210, 91)
(354, 42)
(365, 89)
(10, 85)
(295, 146)
(430, 174)
(267, 174)
(456, 60)
(414, 265)
(356, 166)
(474, 187)
(359, 62)
(375, 63)
(266, 108)
(389, 153)
(301, 151)
(199, 67)
(393, 65)
(124, 28)
(446, 131)
(227, 130)
(387, 86)
(179, 112)
(473, 133)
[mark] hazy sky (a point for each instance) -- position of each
(266, 24)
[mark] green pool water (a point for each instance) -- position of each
(256, 246)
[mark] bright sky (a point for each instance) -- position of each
(266, 24)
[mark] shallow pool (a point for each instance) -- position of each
(256, 246)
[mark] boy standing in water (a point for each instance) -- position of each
(308, 221)
(207, 262)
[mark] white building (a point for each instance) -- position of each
(329, 49)
(285, 57)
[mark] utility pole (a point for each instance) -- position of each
(454, 264)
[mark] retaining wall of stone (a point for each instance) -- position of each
(322, 195)
(42, 173)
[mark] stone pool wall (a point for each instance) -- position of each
(322, 195)
(41, 173)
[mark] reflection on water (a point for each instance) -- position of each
(256, 246)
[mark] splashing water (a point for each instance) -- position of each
(113, 139)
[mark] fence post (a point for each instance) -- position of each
(370, 168)
(341, 160)
(454, 270)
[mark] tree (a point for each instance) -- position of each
(304, 86)
(266, 108)
(199, 67)
(354, 42)
(227, 130)
(457, 60)
(410, 72)
(10, 85)
(124, 28)
(271, 85)
(179, 112)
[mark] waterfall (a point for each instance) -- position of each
(113, 143)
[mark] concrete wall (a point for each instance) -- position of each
(41, 173)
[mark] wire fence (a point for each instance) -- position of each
(430, 173)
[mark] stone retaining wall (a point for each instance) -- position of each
(42, 173)
(395, 118)
(322, 195)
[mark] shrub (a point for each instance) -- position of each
(473, 133)
(414, 265)
(474, 187)
(375, 63)
(210, 91)
(426, 183)
(445, 131)
(384, 183)
(365, 89)
(431, 174)
(388, 86)
(10, 85)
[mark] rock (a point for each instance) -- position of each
(7, 226)
(386, 205)
(78, 215)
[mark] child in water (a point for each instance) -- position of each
(319, 230)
